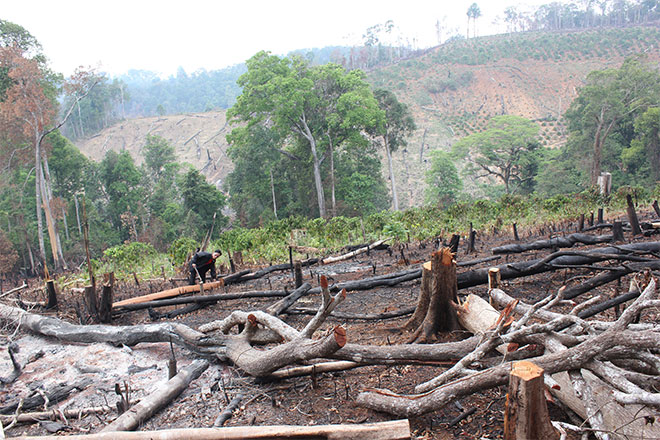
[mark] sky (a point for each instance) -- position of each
(162, 36)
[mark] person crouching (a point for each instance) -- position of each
(201, 263)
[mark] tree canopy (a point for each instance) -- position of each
(308, 111)
(504, 151)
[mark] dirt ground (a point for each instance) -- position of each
(325, 399)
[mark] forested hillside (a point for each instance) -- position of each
(536, 113)
(453, 90)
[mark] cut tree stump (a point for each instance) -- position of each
(422, 300)
(526, 412)
(440, 315)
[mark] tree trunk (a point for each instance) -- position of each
(75, 201)
(272, 190)
(632, 216)
(395, 197)
(37, 189)
(332, 178)
(317, 167)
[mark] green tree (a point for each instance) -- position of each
(642, 158)
(121, 180)
(442, 180)
(256, 178)
(473, 13)
(304, 105)
(611, 99)
(505, 151)
(159, 157)
(398, 125)
(203, 199)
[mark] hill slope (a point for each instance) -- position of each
(198, 139)
(453, 90)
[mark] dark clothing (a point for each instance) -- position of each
(204, 262)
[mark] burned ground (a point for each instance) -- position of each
(327, 398)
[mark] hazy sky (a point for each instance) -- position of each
(163, 35)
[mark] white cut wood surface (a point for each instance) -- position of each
(392, 430)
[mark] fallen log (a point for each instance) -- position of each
(552, 243)
(306, 370)
(15, 289)
(392, 430)
(280, 306)
(564, 259)
(169, 293)
(277, 267)
(53, 414)
(198, 299)
(354, 253)
(572, 358)
(228, 411)
(152, 403)
(357, 316)
(54, 394)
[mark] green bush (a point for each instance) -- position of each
(181, 249)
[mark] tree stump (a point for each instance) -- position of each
(440, 313)
(656, 208)
(526, 412)
(423, 299)
(617, 232)
(297, 269)
(52, 294)
(105, 307)
(632, 216)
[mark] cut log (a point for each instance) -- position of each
(152, 403)
(353, 253)
(476, 315)
(200, 299)
(526, 412)
(52, 294)
(532, 267)
(393, 430)
(169, 293)
(617, 232)
(553, 243)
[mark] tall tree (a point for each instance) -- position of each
(398, 125)
(505, 151)
(610, 97)
(303, 103)
(473, 13)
